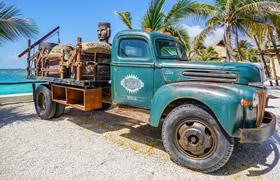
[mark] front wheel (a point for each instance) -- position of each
(194, 139)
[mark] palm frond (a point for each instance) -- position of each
(181, 9)
(11, 27)
(203, 34)
(154, 16)
(221, 3)
(204, 10)
(214, 20)
(182, 33)
(125, 18)
(258, 9)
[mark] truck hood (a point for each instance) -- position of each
(241, 73)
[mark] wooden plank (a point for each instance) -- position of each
(51, 70)
(93, 99)
(58, 93)
(74, 96)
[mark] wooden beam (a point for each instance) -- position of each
(275, 46)
(272, 61)
(263, 60)
(38, 42)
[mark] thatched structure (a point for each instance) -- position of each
(220, 48)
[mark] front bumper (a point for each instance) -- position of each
(259, 134)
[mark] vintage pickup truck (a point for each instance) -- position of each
(204, 106)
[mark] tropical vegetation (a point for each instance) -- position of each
(255, 19)
(12, 27)
(236, 17)
(156, 19)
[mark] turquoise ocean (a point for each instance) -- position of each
(6, 76)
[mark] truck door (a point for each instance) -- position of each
(132, 72)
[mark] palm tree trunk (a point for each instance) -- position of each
(263, 60)
(241, 55)
(227, 42)
(278, 34)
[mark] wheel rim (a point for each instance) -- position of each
(41, 102)
(195, 138)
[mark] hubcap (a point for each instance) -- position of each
(196, 139)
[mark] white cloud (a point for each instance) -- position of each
(11, 58)
(210, 39)
(213, 37)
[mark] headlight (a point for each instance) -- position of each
(255, 100)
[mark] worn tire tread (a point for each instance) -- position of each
(173, 156)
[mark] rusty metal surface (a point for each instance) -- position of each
(139, 114)
(261, 106)
(259, 134)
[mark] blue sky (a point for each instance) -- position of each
(80, 19)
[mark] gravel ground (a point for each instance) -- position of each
(97, 145)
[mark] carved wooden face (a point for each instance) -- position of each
(103, 33)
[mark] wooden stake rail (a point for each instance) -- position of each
(74, 61)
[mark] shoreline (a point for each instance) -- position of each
(13, 71)
(16, 98)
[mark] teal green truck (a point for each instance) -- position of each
(202, 107)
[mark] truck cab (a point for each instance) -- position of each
(204, 105)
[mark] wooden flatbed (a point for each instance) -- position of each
(71, 82)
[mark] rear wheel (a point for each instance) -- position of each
(60, 108)
(44, 105)
(194, 139)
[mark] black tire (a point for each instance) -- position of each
(59, 110)
(104, 107)
(43, 103)
(194, 139)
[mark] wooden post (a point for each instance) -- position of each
(275, 46)
(263, 60)
(79, 64)
(28, 57)
(95, 67)
(42, 61)
(61, 64)
(272, 61)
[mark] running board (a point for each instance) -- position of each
(138, 114)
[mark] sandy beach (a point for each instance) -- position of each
(97, 145)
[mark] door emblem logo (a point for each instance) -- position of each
(132, 83)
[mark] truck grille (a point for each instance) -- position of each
(261, 106)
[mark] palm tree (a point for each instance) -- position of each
(11, 27)
(125, 17)
(156, 19)
(234, 16)
(241, 50)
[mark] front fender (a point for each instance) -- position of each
(223, 99)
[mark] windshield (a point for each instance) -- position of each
(170, 49)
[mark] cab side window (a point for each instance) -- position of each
(133, 48)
